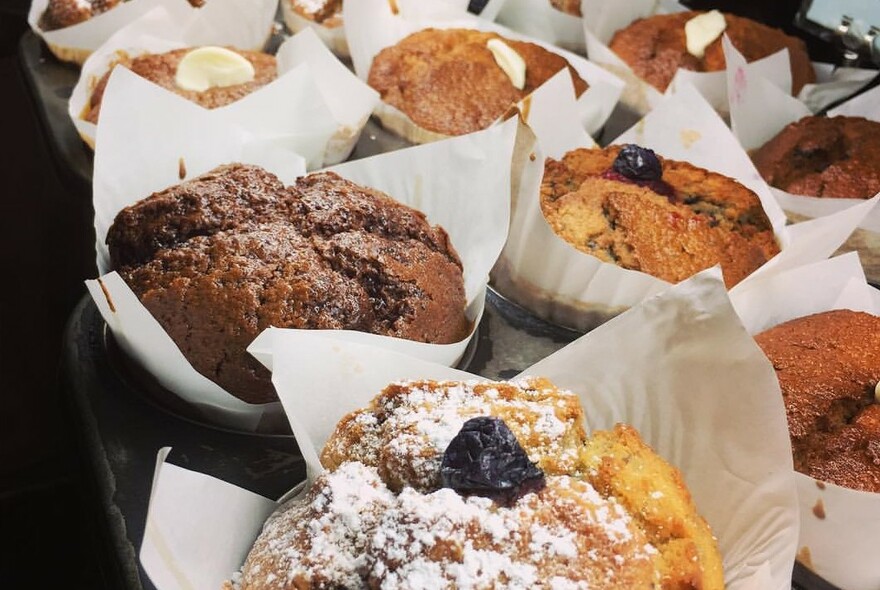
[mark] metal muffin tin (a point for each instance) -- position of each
(124, 416)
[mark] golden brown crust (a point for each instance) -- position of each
(612, 515)
(161, 69)
(655, 48)
(447, 80)
(572, 7)
(709, 219)
(828, 365)
(832, 157)
(66, 13)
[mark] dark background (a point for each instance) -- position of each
(48, 533)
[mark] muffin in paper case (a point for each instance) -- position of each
(314, 97)
(383, 27)
(759, 110)
(838, 538)
(679, 368)
(543, 273)
(608, 16)
(137, 159)
(75, 43)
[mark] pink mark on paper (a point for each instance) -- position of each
(740, 84)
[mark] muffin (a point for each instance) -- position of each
(595, 519)
(572, 7)
(656, 47)
(60, 14)
(828, 365)
(163, 68)
(445, 82)
(627, 206)
(219, 258)
(323, 16)
(832, 157)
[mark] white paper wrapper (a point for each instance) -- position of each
(477, 223)
(538, 19)
(316, 101)
(252, 17)
(680, 368)
(382, 29)
(579, 290)
(609, 16)
(759, 110)
(841, 547)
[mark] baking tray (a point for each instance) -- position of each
(124, 417)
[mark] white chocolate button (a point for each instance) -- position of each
(877, 392)
(212, 67)
(701, 30)
(509, 61)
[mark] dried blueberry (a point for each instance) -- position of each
(485, 459)
(637, 163)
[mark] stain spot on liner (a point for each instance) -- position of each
(689, 137)
(107, 296)
(803, 556)
(181, 168)
(819, 509)
(820, 484)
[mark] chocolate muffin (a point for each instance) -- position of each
(448, 82)
(833, 157)
(218, 259)
(630, 207)
(656, 47)
(828, 365)
(161, 69)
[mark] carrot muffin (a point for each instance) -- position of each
(450, 81)
(832, 157)
(657, 46)
(60, 14)
(630, 207)
(250, 70)
(828, 365)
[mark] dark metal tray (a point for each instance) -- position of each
(123, 418)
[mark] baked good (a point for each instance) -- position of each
(66, 13)
(447, 81)
(572, 7)
(161, 69)
(834, 157)
(670, 219)
(828, 365)
(219, 258)
(591, 522)
(656, 47)
(324, 17)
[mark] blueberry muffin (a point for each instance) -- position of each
(627, 206)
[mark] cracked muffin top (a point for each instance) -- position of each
(828, 365)
(448, 81)
(832, 157)
(221, 257)
(627, 206)
(397, 506)
(656, 47)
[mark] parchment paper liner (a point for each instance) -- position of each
(544, 273)
(680, 368)
(759, 110)
(382, 29)
(315, 95)
(841, 547)
(252, 17)
(608, 16)
(137, 159)
(538, 19)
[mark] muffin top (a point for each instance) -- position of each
(448, 81)
(656, 47)
(161, 69)
(828, 365)
(676, 221)
(833, 157)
